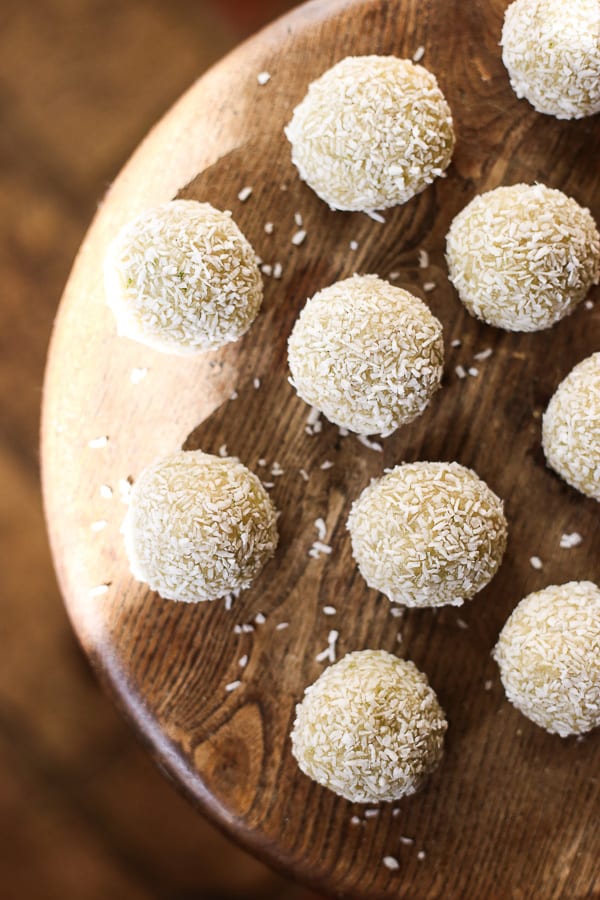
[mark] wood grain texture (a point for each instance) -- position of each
(511, 811)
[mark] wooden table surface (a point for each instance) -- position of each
(84, 812)
(523, 803)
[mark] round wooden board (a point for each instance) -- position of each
(511, 810)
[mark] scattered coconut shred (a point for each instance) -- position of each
(367, 354)
(198, 527)
(551, 50)
(522, 257)
(370, 728)
(548, 657)
(182, 278)
(367, 102)
(571, 428)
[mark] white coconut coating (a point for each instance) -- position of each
(371, 132)
(522, 257)
(367, 354)
(571, 428)
(428, 534)
(198, 526)
(549, 657)
(182, 278)
(551, 49)
(370, 728)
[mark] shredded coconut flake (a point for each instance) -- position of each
(99, 525)
(98, 591)
(299, 237)
(232, 686)
(105, 491)
(321, 528)
(418, 54)
(319, 548)
(245, 194)
(98, 443)
(369, 444)
(535, 562)
(263, 78)
(138, 375)
(329, 652)
(573, 539)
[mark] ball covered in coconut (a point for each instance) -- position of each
(370, 728)
(198, 526)
(182, 278)
(371, 132)
(548, 653)
(551, 50)
(522, 257)
(571, 428)
(428, 534)
(367, 354)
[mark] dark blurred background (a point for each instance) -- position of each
(84, 813)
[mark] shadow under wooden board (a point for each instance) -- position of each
(511, 810)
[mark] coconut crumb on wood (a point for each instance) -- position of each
(99, 442)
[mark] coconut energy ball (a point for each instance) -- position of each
(367, 354)
(370, 728)
(198, 526)
(549, 657)
(182, 278)
(522, 257)
(428, 534)
(551, 49)
(571, 428)
(371, 132)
